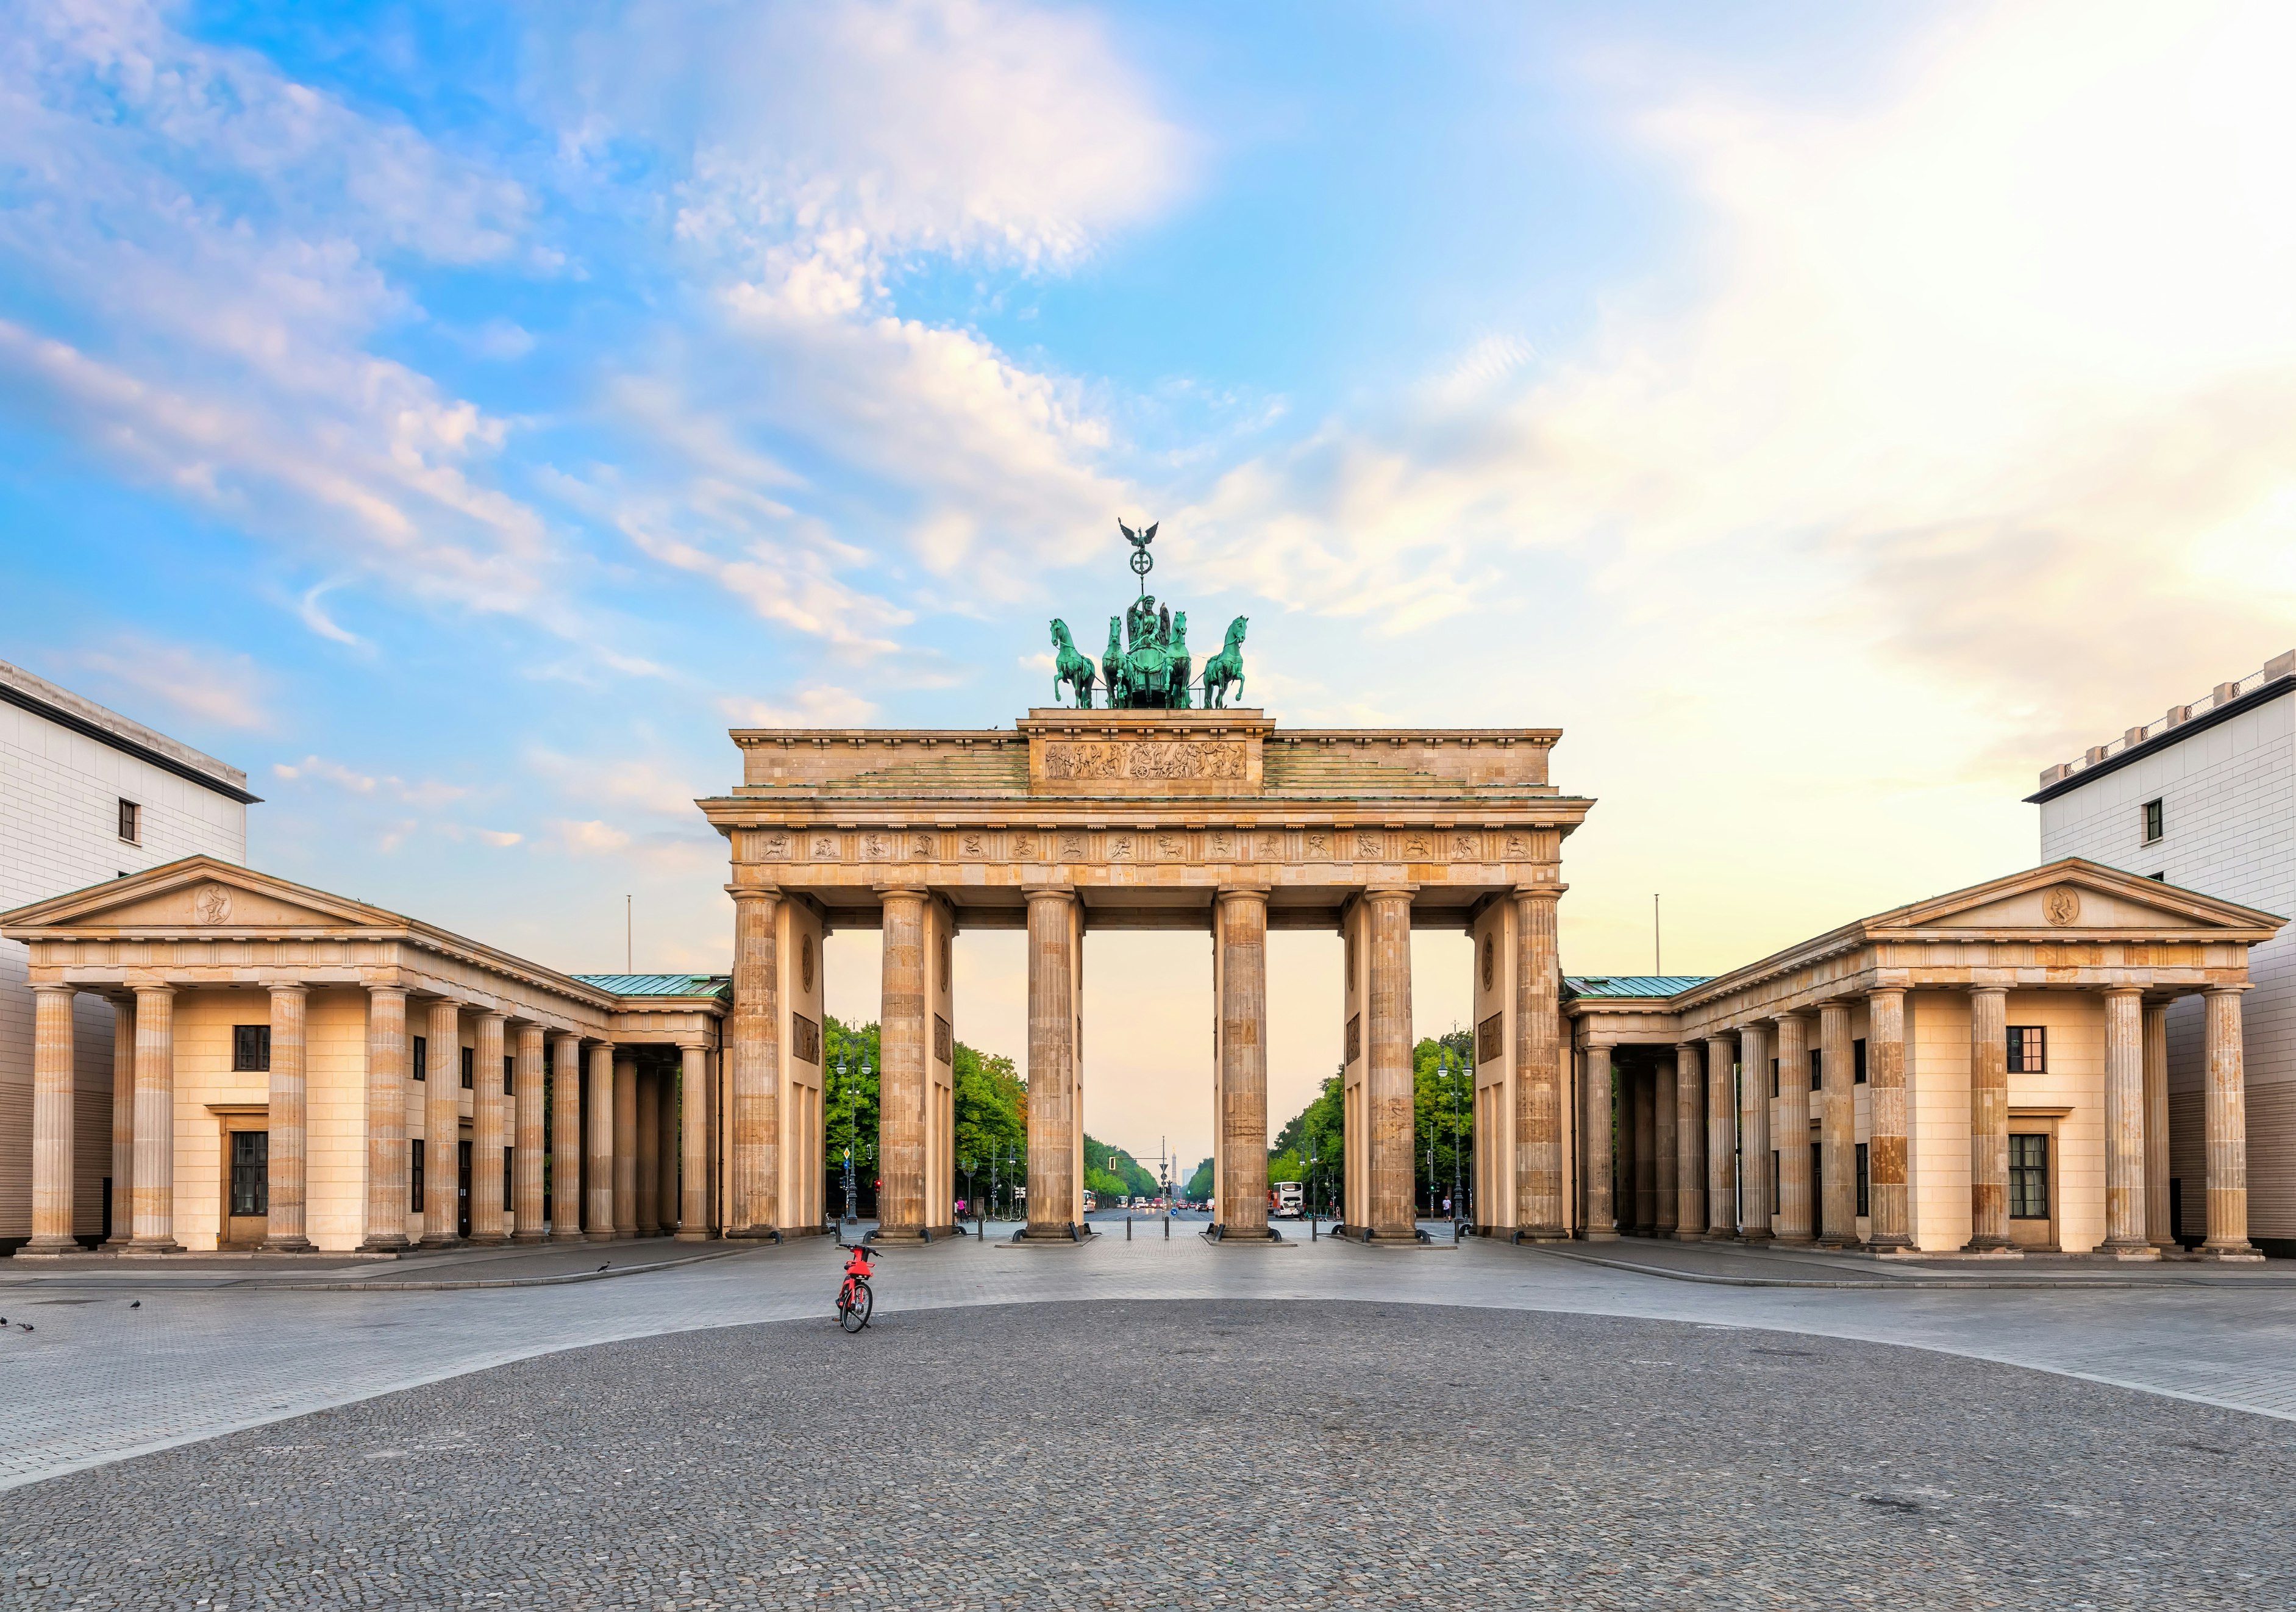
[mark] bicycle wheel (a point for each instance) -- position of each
(853, 1305)
(865, 1302)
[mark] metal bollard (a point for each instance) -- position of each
(1127, 1228)
(1168, 1225)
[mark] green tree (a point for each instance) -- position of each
(849, 1071)
(1443, 1111)
(992, 1108)
(1112, 1172)
(1200, 1184)
(1318, 1129)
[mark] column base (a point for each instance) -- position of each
(567, 1234)
(1677, 1234)
(1601, 1234)
(393, 1242)
(2243, 1252)
(703, 1235)
(1757, 1238)
(1223, 1233)
(1890, 1242)
(2131, 1251)
(526, 1237)
(1988, 1250)
(288, 1242)
(1786, 1239)
(49, 1245)
(1720, 1234)
(1065, 1231)
(442, 1243)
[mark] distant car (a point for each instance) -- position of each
(1291, 1200)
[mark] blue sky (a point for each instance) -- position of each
(459, 416)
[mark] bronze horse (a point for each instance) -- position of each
(1225, 670)
(1071, 668)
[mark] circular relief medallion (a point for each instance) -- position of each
(805, 962)
(212, 905)
(1491, 959)
(2061, 906)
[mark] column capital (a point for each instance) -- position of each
(288, 987)
(1977, 989)
(2122, 990)
(494, 1013)
(1049, 892)
(1535, 892)
(754, 892)
(2227, 990)
(148, 989)
(922, 892)
(1887, 990)
(54, 988)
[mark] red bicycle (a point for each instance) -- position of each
(854, 1299)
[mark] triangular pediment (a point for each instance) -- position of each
(2076, 896)
(199, 893)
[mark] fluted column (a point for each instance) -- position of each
(565, 1139)
(1721, 1140)
(1837, 1128)
(1602, 1210)
(527, 1146)
(52, 1121)
(646, 1202)
(2124, 1124)
(489, 1211)
(1989, 1119)
(123, 1121)
(2157, 1230)
(1390, 1076)
(905, 1043)
(598, 1209)
(1795, 1207)
(1642, 1083)
(1239, 939)
(387, 1185)
(666, 1149)
(693, 1145)
(1539, 1209)
(625, 1143)
(442, 1125)
(1690, 1143)
(753, 1055)
(1666, 1100)
(1052, 1064)
(290, 1120)
(2227, 1128)
(155, 1121)
(1754, 1126)
(1888, 1189)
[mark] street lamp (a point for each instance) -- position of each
(848, 1086)
(1456, 1073)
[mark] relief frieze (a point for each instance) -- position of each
(1074, 760)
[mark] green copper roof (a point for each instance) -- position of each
(659, 985)
(1631, 985)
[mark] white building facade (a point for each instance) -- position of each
(85, 795)
(2204, 797)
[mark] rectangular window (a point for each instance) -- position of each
(2028, 1049)
(509, 1076)
(131, 822)
(1774, 1181)
(1858, 1061)
(1774, 1092)
(510, 1190)
(1864, 1187)
(2029, 1178)
(2154, 824)
(421, 1062)
(415, 1154)
(250, 1048)
(1816, 1070)
(470, 1065)
(251, 1172)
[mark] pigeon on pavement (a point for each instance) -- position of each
(134, 1304)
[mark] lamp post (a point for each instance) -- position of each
(965, 1164)
(848, 1086)
(1456, 1073)
(1314, 1192)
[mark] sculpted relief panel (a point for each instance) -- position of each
(1188, 759)
(1152, 845)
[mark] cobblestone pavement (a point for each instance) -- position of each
(1196, 1454)
(99, 1380)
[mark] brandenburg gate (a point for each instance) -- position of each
(1147, 816)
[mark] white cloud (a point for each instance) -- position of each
(429, 792)
(620, 781)
(819, 706)
(588, 839)
(320, 622)
(208, 684)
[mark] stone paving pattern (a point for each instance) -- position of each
(1198, 1453)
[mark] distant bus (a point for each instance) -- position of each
(1291, 1200)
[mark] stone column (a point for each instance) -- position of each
(1665, 1101)
(1601, 1213)
(1793, 1132)
(1988, 1120)
(1837, 1128)
(1051, 1066)
(1690, 1143)
(527, 1148)
(666, 1150)
(2124, 1124)
(1754, 1126)
(1643, 1085)
(905, 1042)
(598, 1209)
(646, 1165)
(155, 1121)
(753, 1057)
(1540, 1212)
(387, 1183)
(1389, 1075)
(566, 1139)
(1721, 1140)
(489, 1211)
(2227, 1128)
(693, 1145)
(123, 1121)
(1888, 1189)
(1240, 936)
(442, 1126)
(2157, 1230)
(625, 1143)
(290, 1141)
(52, 1121)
